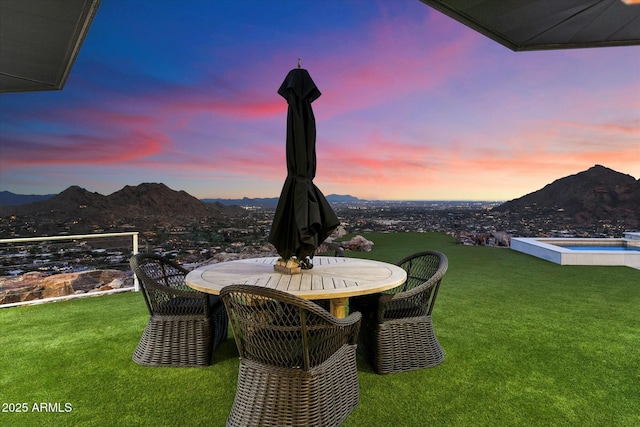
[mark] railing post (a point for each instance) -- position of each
(136, 284)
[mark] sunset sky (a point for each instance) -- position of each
(414, 105)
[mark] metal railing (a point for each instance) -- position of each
(134, 244)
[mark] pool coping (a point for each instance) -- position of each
(546, 248)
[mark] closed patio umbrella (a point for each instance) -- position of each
(303, 218)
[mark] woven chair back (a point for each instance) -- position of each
(424, 275)
(281, 330)
(164, 287)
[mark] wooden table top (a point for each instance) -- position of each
(330, 277)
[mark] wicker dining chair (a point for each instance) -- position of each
(185, 325)
(397, 332)
(297, 361)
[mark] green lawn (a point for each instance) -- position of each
(527, 343)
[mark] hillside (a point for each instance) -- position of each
(144, 206)
(597, 194)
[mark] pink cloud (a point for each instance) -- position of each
(381, 72)
(79, 149)
(412, 107)
(477, 166)
(243, 107)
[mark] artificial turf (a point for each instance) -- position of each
(527, 343)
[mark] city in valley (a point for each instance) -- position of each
(246, 233)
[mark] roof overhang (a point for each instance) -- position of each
(523, 25)
(40, 40)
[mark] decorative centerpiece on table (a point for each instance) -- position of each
(292, 265)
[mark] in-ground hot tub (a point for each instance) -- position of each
(577, 251)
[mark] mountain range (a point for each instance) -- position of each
(597, 194)
(8, 198)
(142, 206)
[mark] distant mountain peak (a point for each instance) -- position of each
(596, 194)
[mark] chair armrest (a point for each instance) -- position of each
(388, 300)
(341, 332)
(185, 293)
(188, 297)
(350, 324)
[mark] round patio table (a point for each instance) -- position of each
(333, 278)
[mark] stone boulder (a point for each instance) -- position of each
(502, 238)
(337, 233)
(358, 243)
(495, 238)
